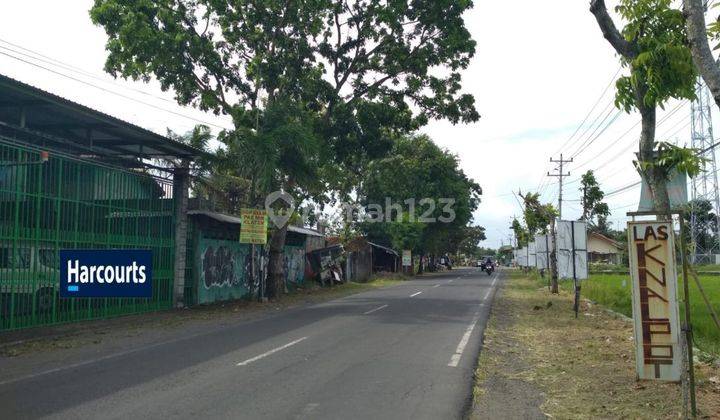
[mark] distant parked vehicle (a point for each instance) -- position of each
(29, 277)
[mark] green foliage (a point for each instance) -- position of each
(662, 67)
(537, 216)
(592, 197)
(367, 67)
(681, 159)
(416, 168)
(521, 234)
(705, 222)
(472, 236)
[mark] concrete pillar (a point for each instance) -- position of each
(181, 191)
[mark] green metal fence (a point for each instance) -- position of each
(68, 203)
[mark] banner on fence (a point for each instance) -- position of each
(654, 293)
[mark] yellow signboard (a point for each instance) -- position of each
(254, 226)
(655, 309)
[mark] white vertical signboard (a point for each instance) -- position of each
(654, 292)
(531, 254)
(572, 249)
(543, 245)
(406, 258)
(522, 256)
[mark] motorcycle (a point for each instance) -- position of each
(488, 268)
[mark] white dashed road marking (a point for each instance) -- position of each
(375, 310)
(268, 353)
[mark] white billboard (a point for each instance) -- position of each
(531, 255)
(543, 247)
(572, 249)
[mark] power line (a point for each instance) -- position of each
(583, 148)
(65, 66)
(622, 189)
(113, 92)
(602, 95)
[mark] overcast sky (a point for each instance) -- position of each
(539, 69)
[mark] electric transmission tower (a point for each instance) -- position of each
(705, 184)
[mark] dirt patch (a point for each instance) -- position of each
(584, 367)
(499, 393)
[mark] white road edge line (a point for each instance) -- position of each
(437, 285)
(455, 359)
(375, 310)
(415, 294)
(268, 353)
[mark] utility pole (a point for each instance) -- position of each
(560, 174)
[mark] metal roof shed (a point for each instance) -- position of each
(32, 115)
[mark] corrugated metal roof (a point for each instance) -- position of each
(226, 218)
(390, 250)
(87, 128)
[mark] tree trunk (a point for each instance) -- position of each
(554, 288)
(421, 269)
(694, 11)
(653, 176)
(275, 286)
(629, 50)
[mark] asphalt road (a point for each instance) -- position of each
(406, 351)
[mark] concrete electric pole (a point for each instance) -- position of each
(560, 174)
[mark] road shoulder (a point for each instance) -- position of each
(538, 360)
(142, 329)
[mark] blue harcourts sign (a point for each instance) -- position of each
(105, 273)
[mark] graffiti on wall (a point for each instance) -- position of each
(224, 270)
(294, 265)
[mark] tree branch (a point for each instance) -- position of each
(610, 31)
(702, 55)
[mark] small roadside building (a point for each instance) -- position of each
(364, 258)
(220, 267)
(602, 249)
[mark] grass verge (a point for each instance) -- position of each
(584, 368)
(614, 291)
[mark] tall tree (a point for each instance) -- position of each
(591, 200)
(521, 234)
(540, 218)
(431, 194)
(697, 34)
(652, 44)
(365, 69)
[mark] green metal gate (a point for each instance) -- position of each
(68, 203)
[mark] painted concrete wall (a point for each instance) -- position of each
(223, 270)
(294, 266)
